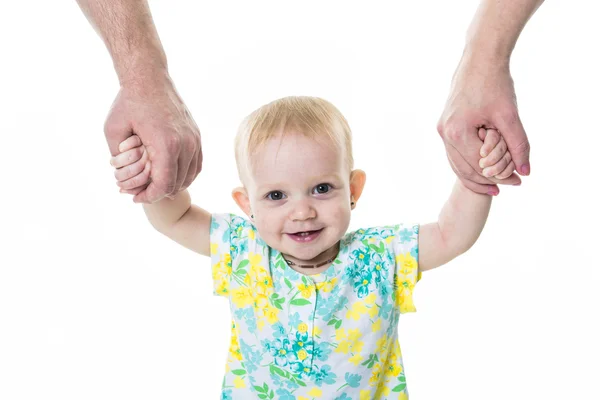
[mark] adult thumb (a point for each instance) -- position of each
(515, 137)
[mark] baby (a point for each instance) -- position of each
(315, 309)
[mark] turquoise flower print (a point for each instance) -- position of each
(278, 330)
(405, 235)
(385, 288)
(294, 319)
(321, 350)
(323, 375)
(379, 268)
(386, 307)
(266, 345)
(361, 283)
(301, 367)
(292, 385)
(361, 256)
(344, 396)
(248, 315)
(353, 380)
(302, 343)
(415, 252)
(328, 307)
(281, 350)
(226, 395)
(252, 357)
(285, 395)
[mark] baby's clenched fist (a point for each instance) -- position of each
(132, 166)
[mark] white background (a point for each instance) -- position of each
(94, 304)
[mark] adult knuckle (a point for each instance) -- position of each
(452, 133)
(173, 144)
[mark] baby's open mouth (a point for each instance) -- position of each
(305, 236)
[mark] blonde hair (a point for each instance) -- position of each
(313, 117)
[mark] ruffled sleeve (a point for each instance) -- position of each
(220, 253)
(406, 251)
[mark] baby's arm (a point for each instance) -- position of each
(461, 220)
(175, 218)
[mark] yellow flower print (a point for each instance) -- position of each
(357, 309)
(375, 374)
(315, 392)
(383, 389)
(302, 354)
(264, 284)
(302, 327)
(234, 349)
(239, 382)
(306, 290)
(214, 248)
(327, 286)
(222, 287)
(317, 331)
(251, 234)
(365, 395)
(408, 274)
(242, 297)
(352, 345)
(403, 396)
(393, 369)
(260, 301)
(343, 347)
(356, 359)
(260, 324)
(407, 264)
(370, 299)
(340, 334)
(354, 334)
(373, 311)
(376, 326)
(271, 313)
(255, 259)
(382, 346)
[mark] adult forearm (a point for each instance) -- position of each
(128, 31)
(463, 217)
(496, 27)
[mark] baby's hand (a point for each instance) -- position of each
(496, 161)
(132, 166)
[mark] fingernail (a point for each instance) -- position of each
(492, 192)
(486, 172)
(481, 164)
(525, 169)
(517, 184)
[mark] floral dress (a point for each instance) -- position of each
(330, 336)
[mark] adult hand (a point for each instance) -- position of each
(153, 110)
(482, 95)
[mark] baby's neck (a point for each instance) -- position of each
(329, 254)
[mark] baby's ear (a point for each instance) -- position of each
(358, 178)
(240, 196)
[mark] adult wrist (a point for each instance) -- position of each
(140, 66)
(486, 56)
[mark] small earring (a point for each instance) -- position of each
(252, 216)
(352, 203)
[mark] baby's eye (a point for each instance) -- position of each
(275, 195)
(322, 188)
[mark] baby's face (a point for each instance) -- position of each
(300, 197)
